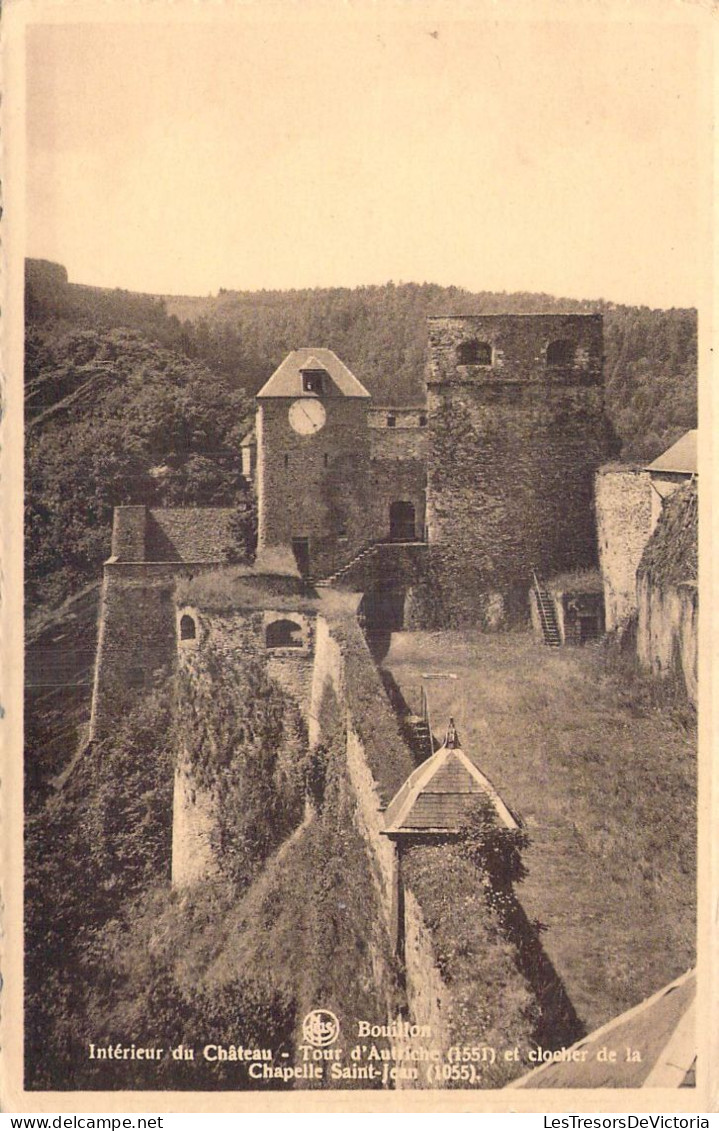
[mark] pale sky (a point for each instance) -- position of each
(296, 148)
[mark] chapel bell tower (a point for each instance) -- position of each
(313, 461)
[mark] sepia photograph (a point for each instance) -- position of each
(356, 744)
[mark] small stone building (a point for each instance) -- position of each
(432, 806)
(568, 609)
(629, 501)
(439, 795)
(672, 469)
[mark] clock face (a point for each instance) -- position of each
(307, 416)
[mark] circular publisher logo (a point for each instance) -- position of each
(320, 1028)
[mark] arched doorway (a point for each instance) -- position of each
(402, 522)
(188, 628)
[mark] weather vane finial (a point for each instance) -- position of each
(451, 738)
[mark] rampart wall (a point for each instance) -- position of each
(667, 593)
(426, 992)
(136, 638)
(399, 443)
(668, 631)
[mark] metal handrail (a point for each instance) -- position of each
(424, 708)
(540, 607)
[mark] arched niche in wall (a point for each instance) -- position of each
(187, 630)
(560, 352)
(474, 352)
(283, 633)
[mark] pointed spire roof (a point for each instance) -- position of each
(439, 795)
(286, 381)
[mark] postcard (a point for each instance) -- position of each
(356, 681)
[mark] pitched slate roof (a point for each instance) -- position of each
(681, 457)
(286, 381)
(662, 1028)
(438, 796)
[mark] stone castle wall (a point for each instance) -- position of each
(624, 523)
(136, 640)
(667, 593)
(194, 857)
(392, 481)
(137, 636)
(399, 443)
(243, 632)
(668, 632)
(513, 449)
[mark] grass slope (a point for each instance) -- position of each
(604, 777)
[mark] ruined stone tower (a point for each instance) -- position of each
(516, 432)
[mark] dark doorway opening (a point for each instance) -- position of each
(188, 630)
(588, 629)
(402, 522)
(301, 550)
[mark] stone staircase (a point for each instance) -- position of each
(547, 616)
(338, 575)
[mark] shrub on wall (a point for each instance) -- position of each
(101, 839)
(495, 850)
(490, 1000)
(246, 743)
(388, 756)
(150, 969)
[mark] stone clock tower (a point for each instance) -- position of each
(313, 461)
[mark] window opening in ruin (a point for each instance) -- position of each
(391, 420)
(283, 634)
(312, 381)
(560, 352)
(188, 628)
(327, 460)
(287, 461)
(474, 353)
(423, 421)
(401, 522)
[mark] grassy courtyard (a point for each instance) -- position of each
(602, 770)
